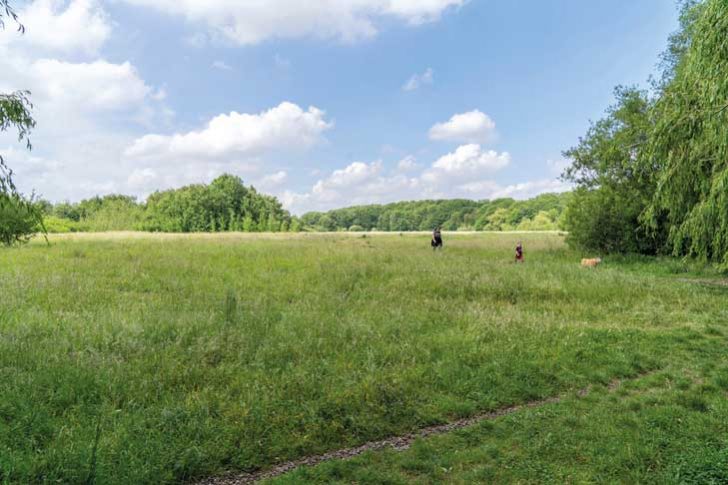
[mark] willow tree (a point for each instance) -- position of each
(19, 219)
(688, 145)
(14, 109)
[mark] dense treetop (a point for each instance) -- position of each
(652, 175)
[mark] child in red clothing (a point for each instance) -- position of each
(519, 252)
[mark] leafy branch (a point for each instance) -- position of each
(7, 11)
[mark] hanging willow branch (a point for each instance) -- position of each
(690, 142)
(7, 11)
(14, 113)
(19, 216)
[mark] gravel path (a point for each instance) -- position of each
(398, 443)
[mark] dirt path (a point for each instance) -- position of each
(721, 282)
(398, 443)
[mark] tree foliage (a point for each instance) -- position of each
(653, 174)
(19, 217)
(225, 204)
(540, 213)
(689, 142)
(19, 220)
(14, 113)
(615, 183)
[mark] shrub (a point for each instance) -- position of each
(19, 220)
(57, 225)
(606, 221)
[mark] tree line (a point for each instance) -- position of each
(225, 204)
(540, 213)
(652, 174)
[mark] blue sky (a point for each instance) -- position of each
(324, 104)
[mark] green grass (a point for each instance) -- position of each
(191, 355)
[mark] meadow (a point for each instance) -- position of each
(145, 358)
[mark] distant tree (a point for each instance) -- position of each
(248, 223)
(424, 215)
(295, 225)
(226, 204)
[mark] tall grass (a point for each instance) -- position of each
(158, 359)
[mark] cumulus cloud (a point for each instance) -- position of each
(468, 161)
(82, 26)
(471, 127)
(94, 86)
(382, 188)
(251, 22)
(466, 172)
(141, 178)
(273, 180)
(526, 190)
(57, 60)
(227, 135)
(357, 183)
(84, 105)
(418, 80)
(407, 164)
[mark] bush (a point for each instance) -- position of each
(606, 221)
(57, 225)
(19, 220)
(356, 228)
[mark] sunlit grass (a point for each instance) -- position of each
(197, 354)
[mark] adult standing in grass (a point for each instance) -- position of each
(436, 239)
(519, 252)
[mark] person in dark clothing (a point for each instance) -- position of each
(519, 252)
(436, 239)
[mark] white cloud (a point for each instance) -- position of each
(254, 21)
(471, 127)
(557, 167)
(407, 164)
(418, 80)
(467, 172)
(81, 27)
(526, 190)
(70, 90)
(358, 183)
(468, 161)
(95, 86)
(370, 184)
(273, 180)
(237, 134)
(141, 178)
(222, 65)
(85, 106)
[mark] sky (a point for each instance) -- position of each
(325, 103)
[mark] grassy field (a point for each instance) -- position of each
(129, 358)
